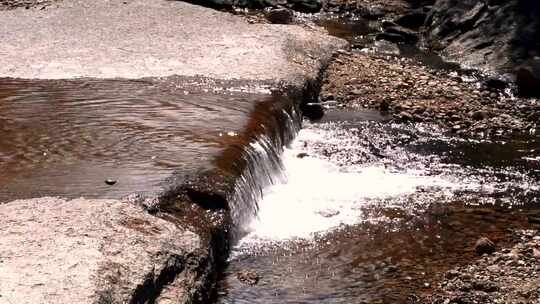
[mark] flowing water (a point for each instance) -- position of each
(66, 138)
(355, 210)
(370, 211)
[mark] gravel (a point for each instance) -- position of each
(510, 275)
(413, 93)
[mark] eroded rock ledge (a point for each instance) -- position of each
(95, 251)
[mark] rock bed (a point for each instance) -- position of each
(510, 275)
(415, 93)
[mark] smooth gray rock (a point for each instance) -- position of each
(92, 251)
(110, 39)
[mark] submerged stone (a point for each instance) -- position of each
(110, 182)
(484, 246)
(248, 276)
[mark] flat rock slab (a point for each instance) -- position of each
(138, 38)
(87, 251)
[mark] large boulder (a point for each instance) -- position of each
(95, 251)
(498, 36)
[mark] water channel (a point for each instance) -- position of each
(359, 210)
(370, 211)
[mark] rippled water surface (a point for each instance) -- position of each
(66, 137)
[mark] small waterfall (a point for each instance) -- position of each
(227, 192)
(263, 166)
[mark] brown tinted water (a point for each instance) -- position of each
(371, 262)
(66, 138)
(361, 33)
(356, 31)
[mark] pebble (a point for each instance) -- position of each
(248, 277)
(110, 182)
(484, 246)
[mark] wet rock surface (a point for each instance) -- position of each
(414, 93)
(96, 251)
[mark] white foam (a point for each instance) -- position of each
(318, 196)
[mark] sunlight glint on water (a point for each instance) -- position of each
(318, 196)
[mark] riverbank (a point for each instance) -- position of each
(467, 104)
(460, 102)
(411, 92)
(410, 82)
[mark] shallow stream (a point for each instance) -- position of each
(370, 211)
(360, 210)
(67, 137)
